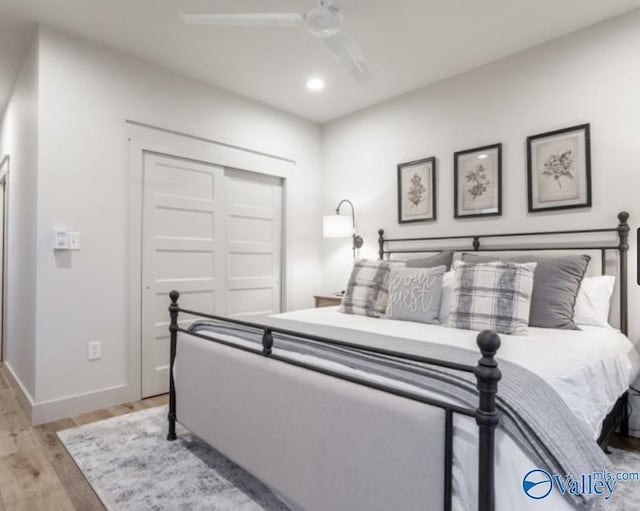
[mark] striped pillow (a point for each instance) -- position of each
(492, 296)
(368, 288)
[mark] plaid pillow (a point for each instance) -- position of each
(492, 296)
(368, 288)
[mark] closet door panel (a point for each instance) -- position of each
(254, 240)
(183, 249)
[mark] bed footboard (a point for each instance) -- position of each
(338, 391)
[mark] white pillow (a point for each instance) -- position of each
(448, 283)
(593, 301)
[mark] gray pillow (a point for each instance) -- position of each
(414, 294)
(444, 258)
(555, 286)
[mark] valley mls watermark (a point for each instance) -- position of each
(538, 483)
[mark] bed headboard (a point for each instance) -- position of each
(550, 241)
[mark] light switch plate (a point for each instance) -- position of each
(60, 240)
(74, 241)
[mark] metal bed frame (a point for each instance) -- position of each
(619, 416)
(486, 371)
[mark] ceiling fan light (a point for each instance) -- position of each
(324, 21)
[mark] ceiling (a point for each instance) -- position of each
(407, 43)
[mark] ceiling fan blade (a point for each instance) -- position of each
(342, 5)
(267, 19)
(345, 49)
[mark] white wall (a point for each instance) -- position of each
(86, 93)
(585, 77)
(19, 140)
(590, 76)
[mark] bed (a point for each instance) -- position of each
(326, 434)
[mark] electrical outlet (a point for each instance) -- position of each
(94, 350)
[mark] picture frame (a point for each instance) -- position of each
(477, 182)
(559, 169)
(417, 191)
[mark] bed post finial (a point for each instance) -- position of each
(487, 376)
(174, 309)
(623, 248)
(381, 244)
(267, 342)
(623, 216)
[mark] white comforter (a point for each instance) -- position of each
(589, 369)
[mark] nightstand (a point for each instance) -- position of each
(327, 300)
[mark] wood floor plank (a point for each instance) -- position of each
(4, 384)
(12, 415)
(78, 489)
(88, 418)
(629, 443)
(126, 408)
(152, 402)
(29, 483)
(15, 431)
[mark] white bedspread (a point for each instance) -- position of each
(589, 369)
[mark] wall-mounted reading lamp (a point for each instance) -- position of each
(341, 226)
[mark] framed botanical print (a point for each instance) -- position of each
(417, 190)
(559, 169)
(477, 182)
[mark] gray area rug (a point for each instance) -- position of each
(132, 467)
(627, 493)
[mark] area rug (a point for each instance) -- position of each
(627, 493)
(132, 467)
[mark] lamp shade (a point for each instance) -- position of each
(337, 226)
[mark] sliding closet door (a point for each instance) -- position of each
(183, 248)
(254, 234)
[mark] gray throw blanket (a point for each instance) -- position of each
(531, 412)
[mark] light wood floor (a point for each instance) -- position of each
(36, 472)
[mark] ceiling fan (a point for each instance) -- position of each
(325, 21)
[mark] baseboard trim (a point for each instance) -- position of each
(22, 394)
(71, 406)
(68, 406)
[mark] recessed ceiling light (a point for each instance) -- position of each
(315, 84)
(483, 156)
